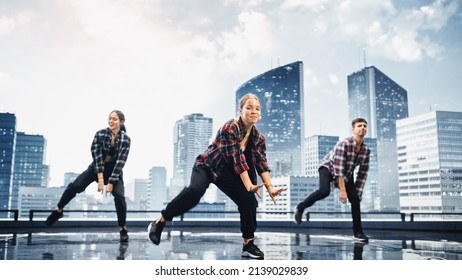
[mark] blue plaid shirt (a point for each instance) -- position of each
(100, 148)
(342, 161)
(226, 149)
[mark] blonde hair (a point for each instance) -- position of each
(247, 97)
(242, 102)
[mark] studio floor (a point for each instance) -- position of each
(201, 243)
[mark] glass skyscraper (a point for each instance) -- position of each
(192, 135)
(7, 146)
(280, 91)
(157, 187)
(28, 168)
(430, 162)
(381, 101)
(316, 148)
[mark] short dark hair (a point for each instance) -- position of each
(358, 120)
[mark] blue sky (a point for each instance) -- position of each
(64, 65)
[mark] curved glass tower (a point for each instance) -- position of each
(380, 100)
(281, 95)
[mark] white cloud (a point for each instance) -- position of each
(333, 78)
(9, 24)
(157, 64)
(251, 38)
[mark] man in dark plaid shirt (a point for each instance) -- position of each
(338, 167)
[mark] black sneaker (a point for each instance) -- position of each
(54, 216)
(298, 215)
(251, 250)
(123, 235)
(155, 231)
(361, 237)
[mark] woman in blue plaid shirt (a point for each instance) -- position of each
(231, 162)
(109, 149)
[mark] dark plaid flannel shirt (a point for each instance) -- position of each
(226, 149)
(342, 161)
(100, 148)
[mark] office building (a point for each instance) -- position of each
(381, 101)
(281, 95)
(140, 194)
(7, 146)
(28, 164)
(316, 148)
(69, 177)
(430, 162)
(298, 189)
(157, 187)
(192, 135)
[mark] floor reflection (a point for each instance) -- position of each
(204, 244)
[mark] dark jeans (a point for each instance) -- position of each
(85, 179)
(325, 178)
(230, 184)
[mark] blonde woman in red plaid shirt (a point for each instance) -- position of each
(232, 163)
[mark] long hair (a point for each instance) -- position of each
(247, 97)
(242, 102)
(122, 119)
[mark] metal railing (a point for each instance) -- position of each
(430, 214)
(402, 215)
(308, 215)
(14, 211)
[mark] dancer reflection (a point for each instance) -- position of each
(110, 148)
(358, 250)
(231, 162)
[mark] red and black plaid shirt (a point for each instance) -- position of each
(226, 149)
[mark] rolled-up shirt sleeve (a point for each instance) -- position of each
(338, 160)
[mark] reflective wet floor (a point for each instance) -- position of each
(197, 243)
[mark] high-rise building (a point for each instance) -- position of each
(381, 101)
(281, 95)
(157, 186)
(141, 195)
(316, 148)
(192, 135)
(7, 146)
(298, 189)
(430, 162)
(371, 197)
(69, 177)
(28, 168)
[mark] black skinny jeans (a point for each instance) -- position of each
(229, 183)
(325, 178)
(89, 176)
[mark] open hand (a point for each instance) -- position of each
(275, 192)
(256, 189)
